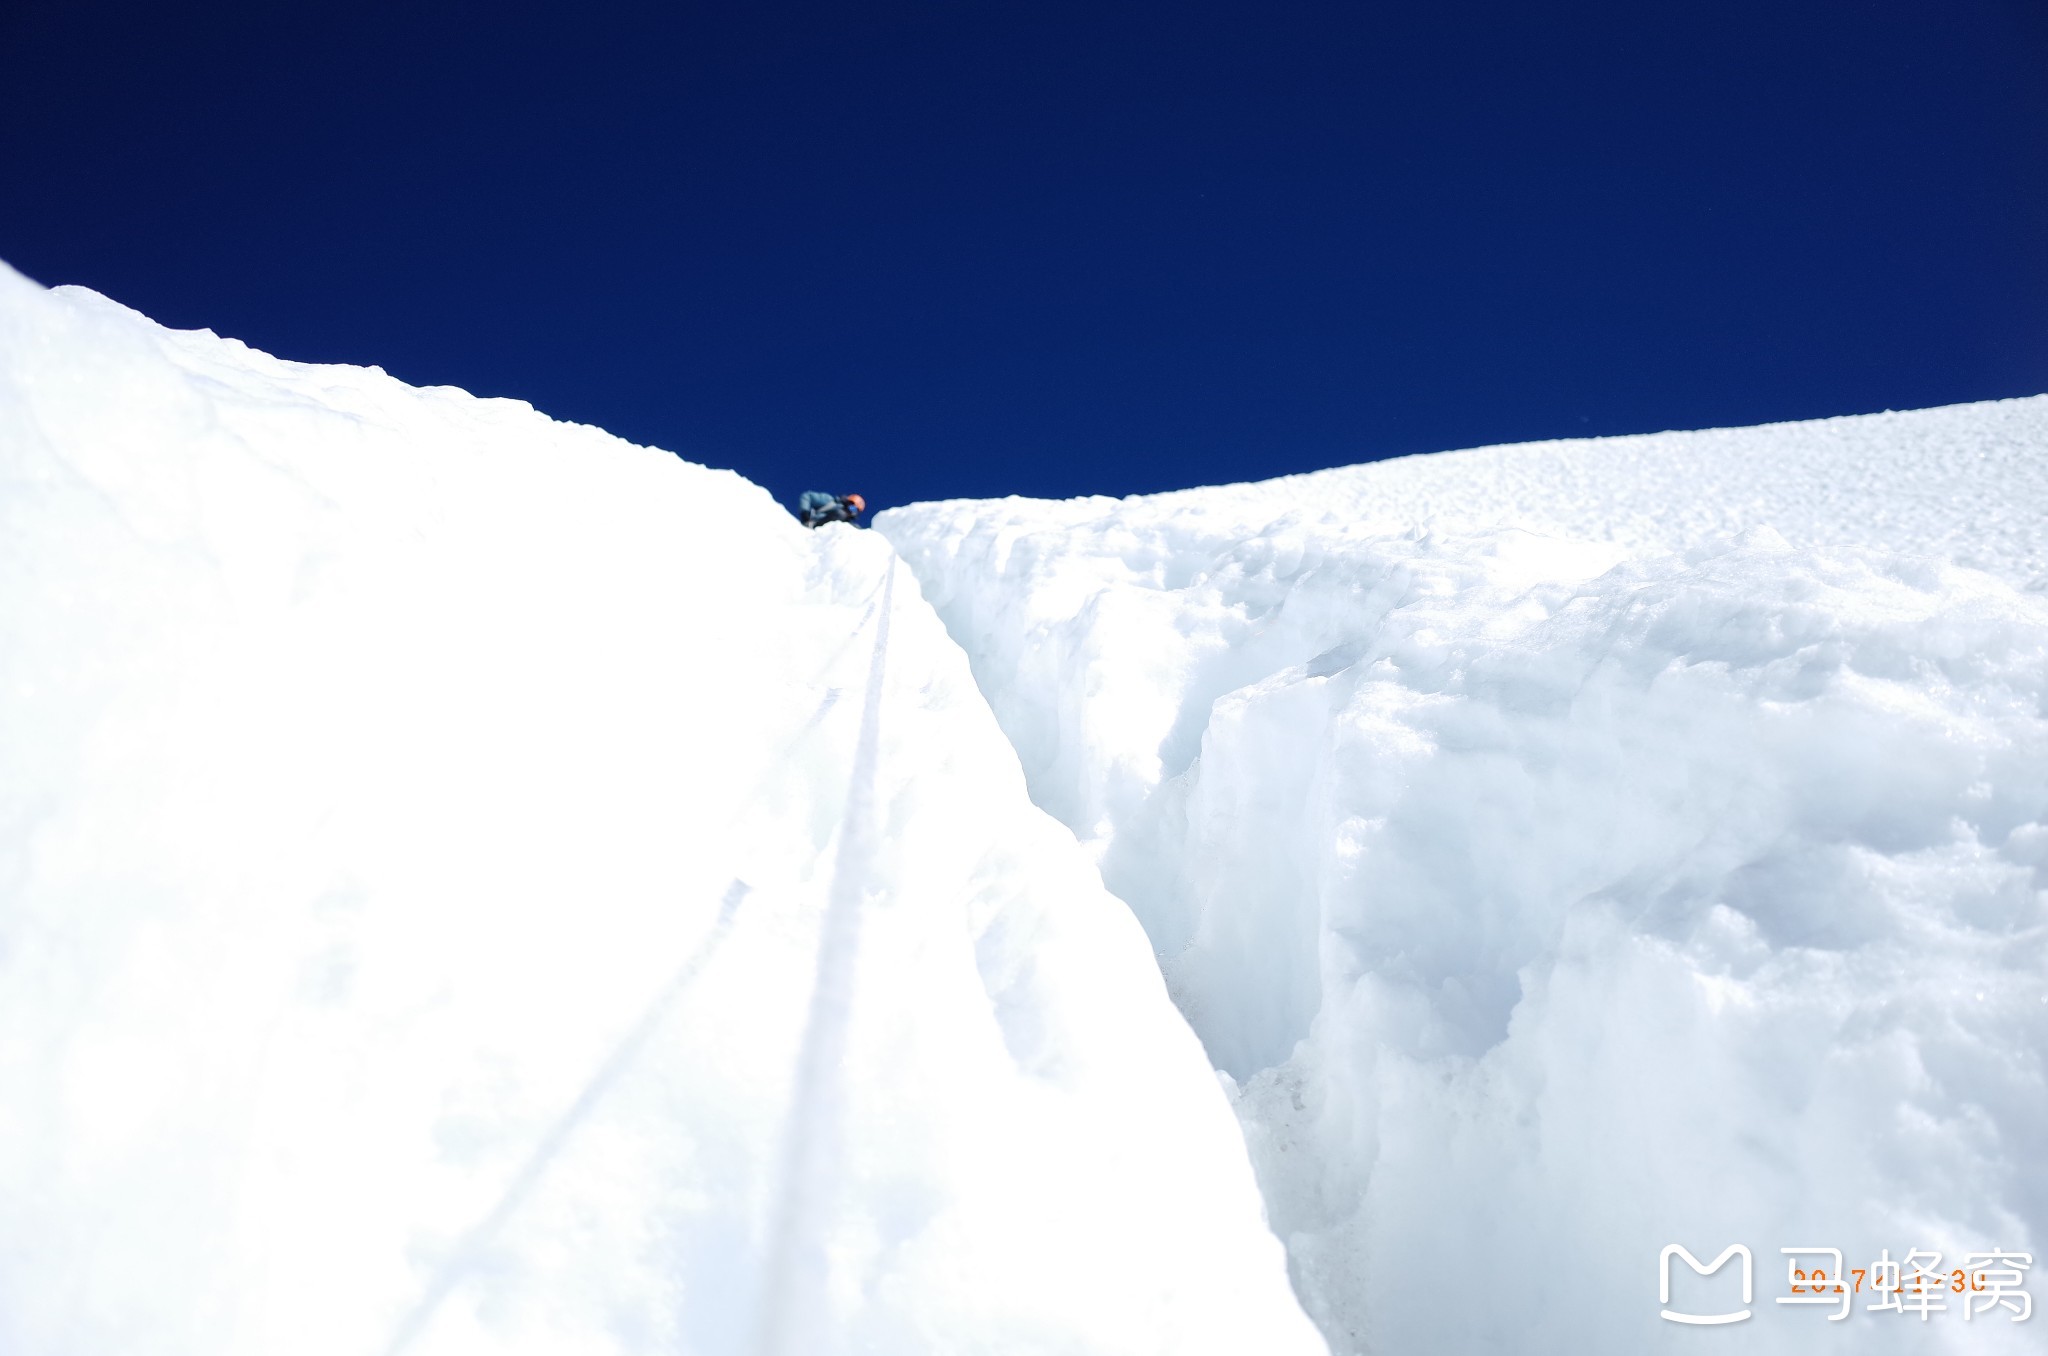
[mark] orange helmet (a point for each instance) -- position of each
(860, 505)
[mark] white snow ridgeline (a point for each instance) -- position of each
(1674, 876)
(444, 906)
(419, 823)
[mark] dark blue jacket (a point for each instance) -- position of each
(815, 508)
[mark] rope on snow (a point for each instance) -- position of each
(791, 1321)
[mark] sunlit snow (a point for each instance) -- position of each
(418, 823)
(470, 884)
(1669, 873)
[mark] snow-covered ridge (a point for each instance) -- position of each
(1574, 849)
(421, 824)
(417, 825)
(1965, 484)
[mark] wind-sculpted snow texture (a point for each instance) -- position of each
(1965, 484)
(1672, 874)
(416, 832)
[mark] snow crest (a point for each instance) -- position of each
(416, 838)
(1553, 897)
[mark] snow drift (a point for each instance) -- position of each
(470, 884)
(1575, 849)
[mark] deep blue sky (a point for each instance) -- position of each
(936, 249)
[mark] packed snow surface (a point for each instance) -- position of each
(469, 884)
(1577, 849)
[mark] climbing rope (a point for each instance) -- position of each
(458, 1263)
(811, 1150)
(791, 1316)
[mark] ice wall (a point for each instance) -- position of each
(417, 830)
(1673, 873)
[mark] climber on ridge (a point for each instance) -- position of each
(816, 508)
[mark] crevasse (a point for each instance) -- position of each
(1571, 849)
(423, 823)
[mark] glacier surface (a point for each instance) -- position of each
(1574, 849)
(470, 884)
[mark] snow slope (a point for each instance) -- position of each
(469, 884)
(1575, 849)
(1966, 484)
